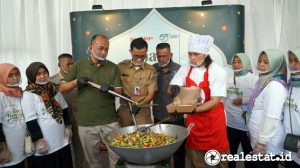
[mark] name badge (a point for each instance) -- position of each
(137, 90)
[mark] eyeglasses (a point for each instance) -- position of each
(139, 57)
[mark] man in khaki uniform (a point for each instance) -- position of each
(65, 62)
(139, 83)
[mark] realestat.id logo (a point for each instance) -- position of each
(212, 157)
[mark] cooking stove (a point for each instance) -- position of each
(124, 164)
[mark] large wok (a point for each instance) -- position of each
(150, 155)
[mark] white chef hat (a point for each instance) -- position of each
(200, 43)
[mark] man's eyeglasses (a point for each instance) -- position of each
(139, 57)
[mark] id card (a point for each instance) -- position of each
(137, 90)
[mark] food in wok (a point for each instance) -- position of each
(142, 140)
(148, 155)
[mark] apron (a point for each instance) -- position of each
(209, 131)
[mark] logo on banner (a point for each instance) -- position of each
(166, 37)
(146, 38)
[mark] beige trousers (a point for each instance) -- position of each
(197, 158)
(90, 139)
(76, 148)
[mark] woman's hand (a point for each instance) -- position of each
(68, 133)
(41, 146)
(5, 155)
(238, 101)
(259, 148)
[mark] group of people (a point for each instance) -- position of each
(262, 110)
(254, 111)
(40, 111)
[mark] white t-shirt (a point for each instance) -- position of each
(216, 78)
(295, 117)
(243, 88)
(269, 103)
(14, 126)
(52, 131)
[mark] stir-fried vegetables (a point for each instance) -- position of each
(142, 140)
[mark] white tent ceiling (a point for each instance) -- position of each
(39, 30)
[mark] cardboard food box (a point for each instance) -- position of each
(185, 101)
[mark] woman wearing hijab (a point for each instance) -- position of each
(14, 106)
(239, 88)
(264, 112)
(54, 120)
(209, 131)
(291, 117)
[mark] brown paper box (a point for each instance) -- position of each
(185, 101)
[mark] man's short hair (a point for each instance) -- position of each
(163, 46)
(138, 43)
(64, 55)
(97, 35)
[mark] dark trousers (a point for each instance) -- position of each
(27, 163)
(292, 164)
(30, 162)
(269, 164)
(235, 138)
(19, 165)
(179, 155)
(59, 159)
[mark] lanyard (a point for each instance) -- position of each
(291, 90)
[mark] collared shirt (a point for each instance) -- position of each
(95, 107)
(57, 78)
(142, 79)
(162, 98)
(70, 97)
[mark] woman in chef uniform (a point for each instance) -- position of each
(209, 131)
(264, 112)
(291, 119)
